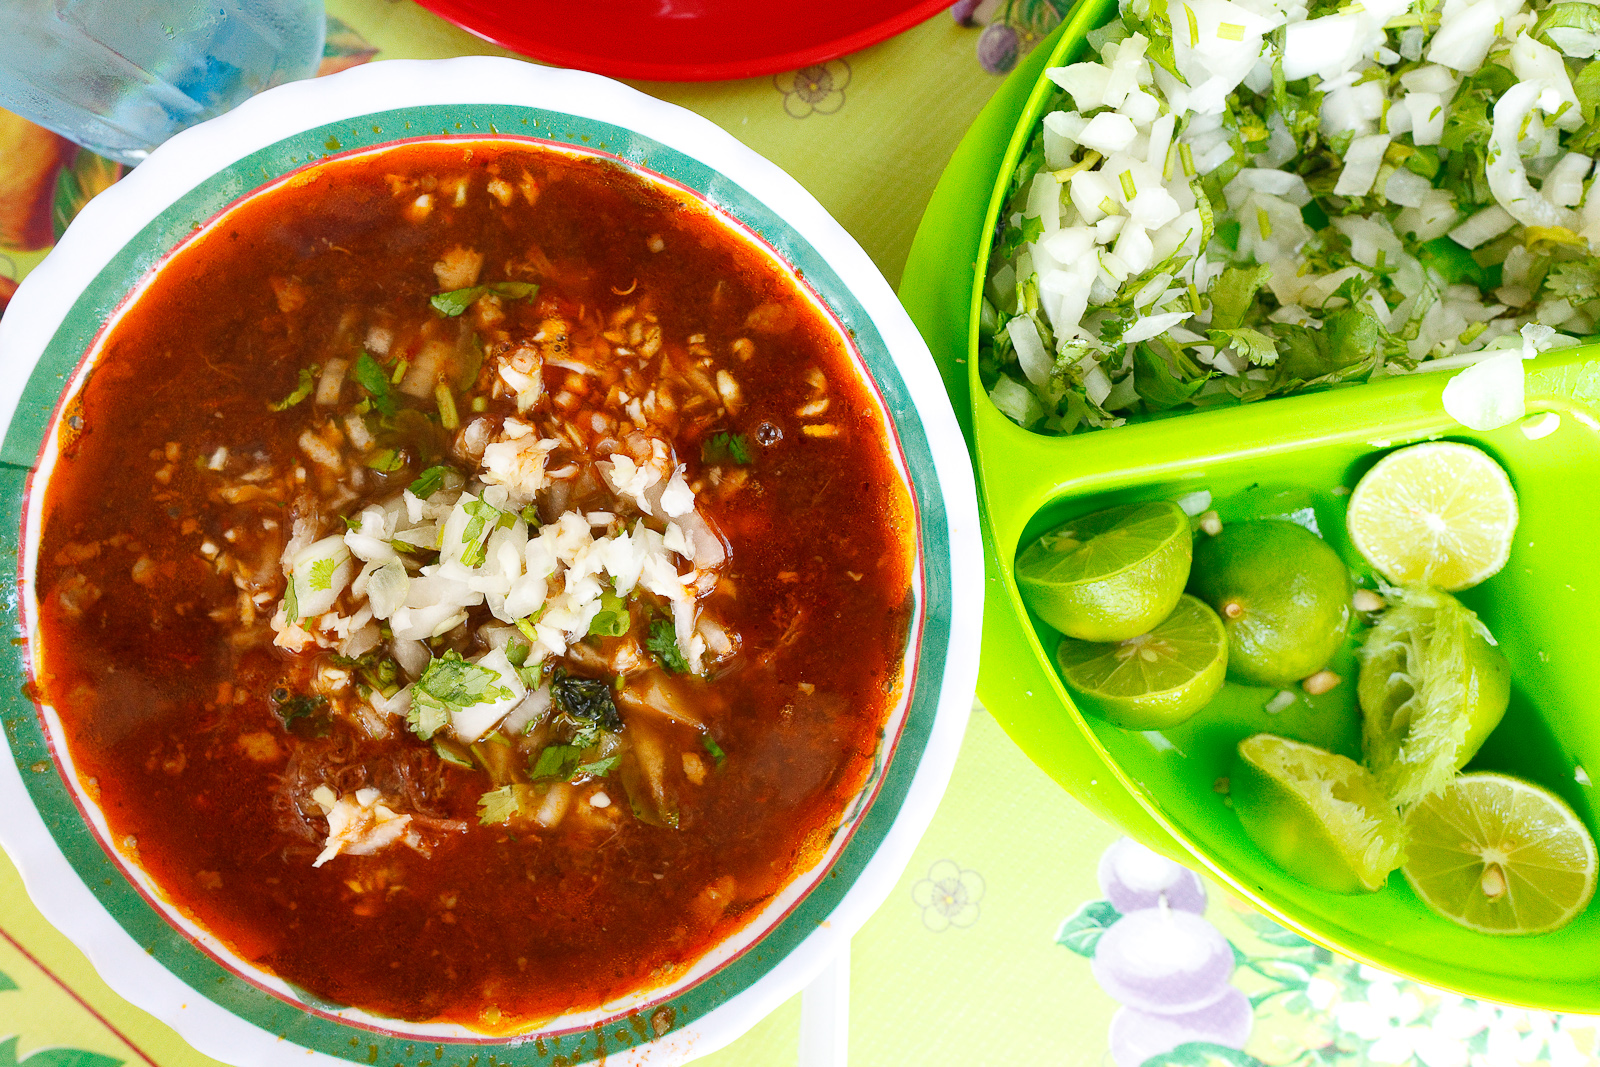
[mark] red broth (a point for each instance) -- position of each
(207, 715)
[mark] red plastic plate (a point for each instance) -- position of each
(685, 40)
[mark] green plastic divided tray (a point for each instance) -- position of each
(1296, 456)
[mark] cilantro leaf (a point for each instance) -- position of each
(556, 762)
(1155, 383)
(1234, 293)
(428, 482)
(451, 683)
(302, 714)
(1587, 87)
(1577, 280)
(425, 718)
(1253, 345)
(585, 701)
(457, 301)
(713, 748)
(370, 375)
(387, 460)
(498, 805)
(662, 643)
(321, 578)
(597, 769)
(308, 382)
(1016, 236)
(612, 620)
(726, 448)
(486, 518)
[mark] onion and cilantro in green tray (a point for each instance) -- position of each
(1245, 198)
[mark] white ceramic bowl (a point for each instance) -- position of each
(150, 954)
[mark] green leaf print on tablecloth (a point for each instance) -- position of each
(1081, 933)
(53, 1057)
(1279, 1001)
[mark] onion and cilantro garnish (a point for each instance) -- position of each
(1245, 199)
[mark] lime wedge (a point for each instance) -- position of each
(1111, 575)
(1319, 816)
(1154, 680)
(1431, 688)
(1500, 855)
(1440, 513)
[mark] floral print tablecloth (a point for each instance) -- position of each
(1006, 940)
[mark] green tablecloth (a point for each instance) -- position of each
(981, 954)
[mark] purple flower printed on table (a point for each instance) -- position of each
(948, 896)
(816, 89)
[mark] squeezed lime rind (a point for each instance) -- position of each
(1432, 687)
(1320, 816)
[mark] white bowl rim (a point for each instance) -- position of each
(117, 217)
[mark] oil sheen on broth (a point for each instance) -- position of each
(474, 582)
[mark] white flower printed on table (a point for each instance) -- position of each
(1402, 1022)
(948, 896)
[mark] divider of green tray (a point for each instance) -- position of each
(29, 747)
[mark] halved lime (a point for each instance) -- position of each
(1319, 816)
(1154, 680)
(1500, 855)
(1111, 575)
(1440, 513)
(1432, 687)
(1283, 594)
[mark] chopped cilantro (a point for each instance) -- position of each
(291, 603)
(613, 619)
(321, 578)
(517, 653)
(426, 719)
(449, 754)
(457, 301)
(597, 769)
(526, 625)
(498, 805)
(371, 376)
(1233, 294)
(555, 762)
(662, 643)
(308, 382)
(1253, 345)
(429, 482)
(530, 515)
(451, 683)
(386, 460)
(302, 714)
(486, 518)
(585, 700)
(726, 448)
(713, 748)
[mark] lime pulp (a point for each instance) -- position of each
(1155, 680)
(1318, 815)
(1110, 575)
(1431, 688)
(1500, 855)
